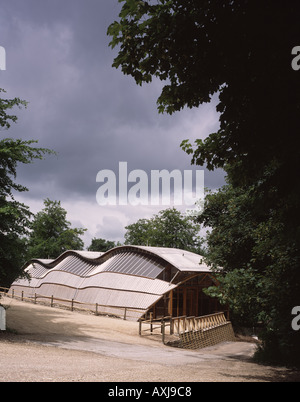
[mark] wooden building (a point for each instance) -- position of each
(128, 281)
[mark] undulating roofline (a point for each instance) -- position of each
(125, 277)
(183, 260)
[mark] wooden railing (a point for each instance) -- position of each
(97, 309)
(184, 324)
(180, 325)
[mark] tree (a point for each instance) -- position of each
(139, 233)
(14, 216)
(169, 228)
(236, 250)
(6, 105)
(51, 234)
(259, 278)
(102, 245)
(14, 221)
(240, 50)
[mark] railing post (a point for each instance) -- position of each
(96, 309)
(125, 312)
(51, 301)
(163, 331)
(13, 293)
(35, 298)
(151, 325)
(22, 295)
(72, 305)
(171, 326)
(140, 326)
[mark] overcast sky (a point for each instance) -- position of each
(58, 59)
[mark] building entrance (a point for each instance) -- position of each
(188, 299)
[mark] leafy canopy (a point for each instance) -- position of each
(14, 216)
(169, 228)
(51, 233)
(5, 106)
(102, 245)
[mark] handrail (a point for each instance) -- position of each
(183, 324)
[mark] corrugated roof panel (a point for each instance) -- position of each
(130, 300)
(121, 281)
(101, 267)
(35, 270)
(75, 265)
(183, 260)
(118, 260)
(17, 289)
(93, 255)
(23, 282)
(130, 264)
(134, 265)
(117, 298)
(61, 277)
(57, 291)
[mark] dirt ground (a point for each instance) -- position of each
(45, 344)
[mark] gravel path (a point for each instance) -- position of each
(51, 344)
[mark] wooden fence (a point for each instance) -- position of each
(97, 309)
(190, 330)
(183, 324)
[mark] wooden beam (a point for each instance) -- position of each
(184, 301)
(170, 304)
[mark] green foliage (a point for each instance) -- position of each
(14, 216)
(139, 233)
(243, 291)
(51, 234)
(169, 228)
(7, 104)
(260, 279)
(13, 152)
(102, 245)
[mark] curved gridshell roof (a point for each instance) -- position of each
(125, 276)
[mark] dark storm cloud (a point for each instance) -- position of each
(58, 59)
